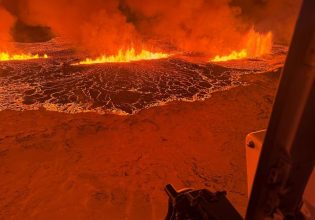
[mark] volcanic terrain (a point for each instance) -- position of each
(121, 88)
(184, 123)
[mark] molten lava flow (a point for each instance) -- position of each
(15, 57)
(256, 45)
(235, 55)
(124, 57)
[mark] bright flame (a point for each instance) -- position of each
(14, 57)
(124, 57)
(235, 55)
(256, 46)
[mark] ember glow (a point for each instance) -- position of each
(16, 57)
(256, 45)
(124, 57)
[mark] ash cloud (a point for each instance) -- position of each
(103, 27)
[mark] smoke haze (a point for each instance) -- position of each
(278, 16)
(104, 27)
(6, 23)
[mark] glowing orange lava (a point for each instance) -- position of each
(124, 57)
(256, 45)
(15, 57)
(235, 55)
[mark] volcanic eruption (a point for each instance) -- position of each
(8, 57)
(174, 39)
(257, 45)
(124, 57)
(131, 30)
(103, 102)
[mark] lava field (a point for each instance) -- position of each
(120, 88)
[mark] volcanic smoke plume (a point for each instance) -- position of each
(6, 22)
(105, 27)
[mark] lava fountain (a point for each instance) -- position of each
(16, 57)
(257, 45)
(127, 56)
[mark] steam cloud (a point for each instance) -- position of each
(104, 27)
